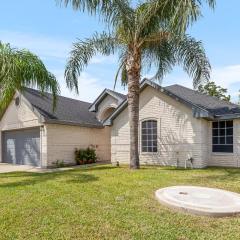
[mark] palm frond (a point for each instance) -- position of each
(156, 37)
(184, 12)
(21, 68)
(117, 74)
(191, 55)
(92, 6)
(82, 53)
(179, 14)
(184, 51)
(160, 57)
(113, 12)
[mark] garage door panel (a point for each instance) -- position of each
(22, 147)
(30, 151)
(10, 151)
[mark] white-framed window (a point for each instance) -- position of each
(222, 136)
(149, 136)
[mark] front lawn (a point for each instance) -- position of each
(104, 202)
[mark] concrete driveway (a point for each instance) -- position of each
(6, 168)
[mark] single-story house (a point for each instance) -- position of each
(176, 124)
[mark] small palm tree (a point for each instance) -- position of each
(150, 34)
(19, 69)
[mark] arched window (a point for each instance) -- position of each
(149, 136)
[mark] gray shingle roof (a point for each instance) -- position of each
(68, 111)
(202, 105)
(75, 112)
(209, 103)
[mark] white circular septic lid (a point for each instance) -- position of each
(200, 200)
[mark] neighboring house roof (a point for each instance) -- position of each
(202, 105)
(118, 96)
(68, 111)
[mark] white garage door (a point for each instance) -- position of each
(22, 147)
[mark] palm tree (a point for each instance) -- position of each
(150, 34)
(19, 69)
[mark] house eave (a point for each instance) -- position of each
(62, 122)
(227, 116)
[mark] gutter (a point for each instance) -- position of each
(69, 123)
(227, 116)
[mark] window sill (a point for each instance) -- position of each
(149, 153)
(222, 154)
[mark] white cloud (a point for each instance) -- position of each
(89, 87)
(41, 45)
(47, 47)
(226, 76)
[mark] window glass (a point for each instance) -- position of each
(149, 136)
(222, 136)
(215, 124)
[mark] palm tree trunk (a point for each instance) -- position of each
(133, 67)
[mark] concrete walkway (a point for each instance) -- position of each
(7, 168)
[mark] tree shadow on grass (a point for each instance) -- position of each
(25, 178)
(95, 168)
(82, 178)
(224, 175)
(215, 176)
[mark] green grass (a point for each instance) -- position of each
(104, 202)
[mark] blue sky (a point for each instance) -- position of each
(49, 30)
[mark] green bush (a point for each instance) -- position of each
(59, 164)
(85, 156)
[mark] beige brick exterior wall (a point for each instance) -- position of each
(63, 139)
(180, 135)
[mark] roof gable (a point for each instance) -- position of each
(106, 92)
(19, 115)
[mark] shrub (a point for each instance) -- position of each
(59, 164)
(85, 156)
